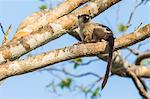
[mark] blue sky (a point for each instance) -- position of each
(32, 85)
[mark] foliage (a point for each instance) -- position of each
(77, 62)
(96, 93)
(122, 28)
(66, 83)
(43, 7)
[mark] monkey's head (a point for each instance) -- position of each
(84, 18)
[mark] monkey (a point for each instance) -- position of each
(93, 32)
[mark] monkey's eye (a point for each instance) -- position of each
(86, 18)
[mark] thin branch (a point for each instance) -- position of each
(73, 75)
(56, 75)
(132, 13)
(141, 57)
(2, 29)
(100, 78)
(139, 26)
(138, 84)
(142, 1)
(133, 51)
(141, 44)
(6, 35)
(87, 63)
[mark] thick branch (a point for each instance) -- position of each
(39, 19)
(119, 65)
(52, 57)
(140, 71)
(16, 48)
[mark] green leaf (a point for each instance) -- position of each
(66, 83)
(76, 65)
(122, 28)
(96, 93)
(43, 7)
(76, 62)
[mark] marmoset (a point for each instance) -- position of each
(93, 32)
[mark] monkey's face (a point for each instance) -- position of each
(84, 18)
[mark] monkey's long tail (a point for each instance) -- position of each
(109, 64)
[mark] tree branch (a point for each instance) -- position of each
(2, 28)
(87, 63)
(133, 51)
(18, 47)
(90, 49)
(141, 57)
(73, 75)
(138, 84)
(40, 19)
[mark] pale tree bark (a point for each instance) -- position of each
(79, 50)
(45, 26)
(40, 19)
(50, 31)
